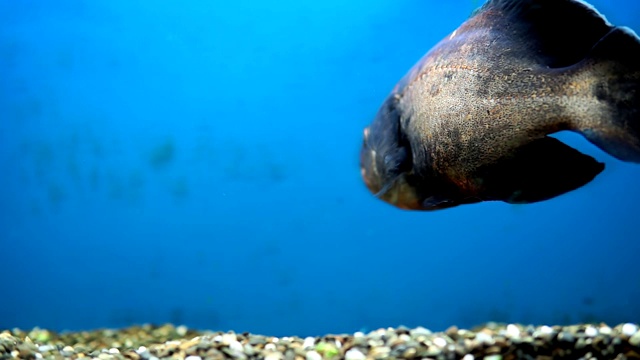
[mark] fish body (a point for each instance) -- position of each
(470, 121)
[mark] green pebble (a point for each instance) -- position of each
(493, 357)
(327, 349)
(42, 336)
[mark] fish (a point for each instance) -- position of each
(471, 121)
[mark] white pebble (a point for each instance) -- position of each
(629, 329)
(217, 338)
(420, 331)
(440, 342)
(313, 355)
(309, 342)
(228, 338)
(236, 346)
(181, 330)
(114, 351)
(605, 330)
(45, 348)
(354, 354)
(38, 356)
(141, 349)
(358, 334)
(275, 340)
(546, 329)
(193, 357)
(513, 331)
(270, 347)
(590, 331)
(468, 357)
(484, 338)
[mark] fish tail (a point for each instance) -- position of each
(615, 128)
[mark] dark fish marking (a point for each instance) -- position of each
(469, 122)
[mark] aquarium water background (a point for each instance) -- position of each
(196, 163)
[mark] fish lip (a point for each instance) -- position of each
(368, 171)
(368, 181)
(399, 193)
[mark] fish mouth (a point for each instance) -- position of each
(400, 193)
(395, 190)
(388, 185)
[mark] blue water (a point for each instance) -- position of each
(197, 163)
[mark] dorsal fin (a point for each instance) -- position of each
(563, 31)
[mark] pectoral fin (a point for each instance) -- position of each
(540, 170)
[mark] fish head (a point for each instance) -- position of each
(385, 159)
(394, 174)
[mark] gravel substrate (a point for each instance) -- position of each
(490, 342)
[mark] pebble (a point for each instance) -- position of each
(440, 342)
(544, 332)
(274, 356)
(605, 330)
(512, 331)
(143, 352)
(313, 355)
(590, 331)
(354, 354)
(237, 346)
(182, 331)
(629, 329)
(309, 343)
(420, 331)
(45, 348)
(566, 336)
(66, 351)
(635, 339)
(227, 338)
(484, 338)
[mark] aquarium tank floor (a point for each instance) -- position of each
(492, 341)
